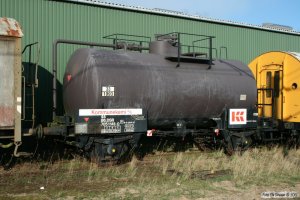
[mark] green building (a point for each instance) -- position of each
(44, 21)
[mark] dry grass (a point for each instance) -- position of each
(187, 175)
(258, 166)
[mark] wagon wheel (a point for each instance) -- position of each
(234, 145)
(228, 148)
(124, 153)
(104, 154)
(7, 160)
(292, 142)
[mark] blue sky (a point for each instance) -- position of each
(283, 12)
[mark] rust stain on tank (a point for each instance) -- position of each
(10, 27)
(6, 116)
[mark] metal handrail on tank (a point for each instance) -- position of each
(54, 63)
(225, 48)
(179, 34)
(124, 38)
(34, 84)
(199, 47)
(37, 58)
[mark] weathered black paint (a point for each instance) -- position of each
(190, 92)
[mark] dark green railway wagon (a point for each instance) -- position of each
(44, 21)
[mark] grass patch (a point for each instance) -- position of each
(187, 175)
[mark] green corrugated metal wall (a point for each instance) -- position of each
(46, 20)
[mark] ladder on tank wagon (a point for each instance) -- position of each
(29, 83)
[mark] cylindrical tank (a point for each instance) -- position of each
(97, 79)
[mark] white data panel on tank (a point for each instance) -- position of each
(108, 91)
(237, 116)
(99, 112)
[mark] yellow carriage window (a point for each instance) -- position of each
(276, 83)
(269, 84)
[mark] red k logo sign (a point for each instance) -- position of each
(237, 116)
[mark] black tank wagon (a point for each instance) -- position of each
(112, 97)
(177, 93)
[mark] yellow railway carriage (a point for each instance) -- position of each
(278, 87)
